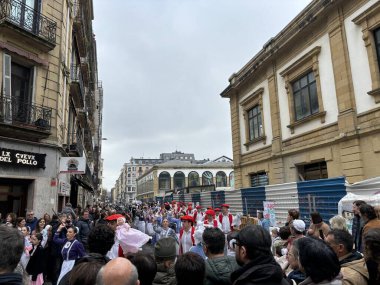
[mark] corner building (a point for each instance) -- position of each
(307, 106)
(50, 104)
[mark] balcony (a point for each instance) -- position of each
(79, 28)
(35, 28)
(20, 119)
(75, 146)
(76, 87)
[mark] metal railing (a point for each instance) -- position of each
(18, 112)
(76, 143)
(28, 19)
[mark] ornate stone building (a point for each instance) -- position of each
(50, 104)
(307, 105)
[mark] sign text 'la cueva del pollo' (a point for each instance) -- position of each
(14, 157)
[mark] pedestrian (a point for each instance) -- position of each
(295, 273)
(338, 222)
(11, 248)
(253, 254)
(35, 267)
(27, 247)
(190, 269)
(318, 228)
(31, 220)
(118, 271)
(146, 266)
(218, 266)
(293, 214)
(357, 224)
(84, 227)
(164, 231)
(352, 262)
(20, 222)
(68, 210)
(165, 256)
(85, 273)
(372, 255)
(369, 217)
(72, 249)
(263, 221)
(318, 261)
(10, 220)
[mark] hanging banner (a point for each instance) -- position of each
(269, 212)
(74, 165)
(17, 158)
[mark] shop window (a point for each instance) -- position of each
(259, 179)
(312, 171)
(303, 87)
(253, 112)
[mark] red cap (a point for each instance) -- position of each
(225, 205)
(199, 207)
(187, 218)
(190, 203)
(210, 212)
(189, 208)
(114, 217)
(217, 210)
(173, 202)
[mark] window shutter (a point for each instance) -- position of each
(7, 75)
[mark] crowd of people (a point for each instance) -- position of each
(188, 245)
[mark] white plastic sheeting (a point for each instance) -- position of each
(365, 187)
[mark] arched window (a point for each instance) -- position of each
(207, 178)
(232, 179)
(179, 180)
(193, 178)
(164, 181)
(221, 179)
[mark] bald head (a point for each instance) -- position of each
(119, 271)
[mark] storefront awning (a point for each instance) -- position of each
(84, 184)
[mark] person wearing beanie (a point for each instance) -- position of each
(165, 255)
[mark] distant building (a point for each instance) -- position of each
(185, 176)
(307, 106)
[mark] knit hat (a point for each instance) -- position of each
(165, 248)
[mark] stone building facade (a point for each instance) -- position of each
(307, 105)
(50, 104)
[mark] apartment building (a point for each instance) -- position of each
(307, 105)
(50, 104)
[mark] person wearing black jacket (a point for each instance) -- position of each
(84, 226)
(253, 253)
(35, 266)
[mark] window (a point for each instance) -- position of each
(369, 21)
(193, 178)
(179, 180)
(232, 179)
(207, 178)
(312, 171)
(164, 181)
(254, 122)
(259, 179)
(305, 96)
(303, 87)
(221, 179)
(252, 112)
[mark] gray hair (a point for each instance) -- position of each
(11, 248)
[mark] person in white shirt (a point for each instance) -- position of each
(226, 219)
(210, 220)
(186, 234)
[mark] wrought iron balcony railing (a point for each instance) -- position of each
(28, 19)
(25, 114)
(76, 143)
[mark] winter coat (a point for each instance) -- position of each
(11, 279)
(355, 272)
(84, 227)
(219, 269)
(371, 224)
(259, 271)
(336, 281)
(357, 228)
(165, 276)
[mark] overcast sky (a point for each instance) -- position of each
(164, 63)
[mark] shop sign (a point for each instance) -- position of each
(64, 188)
(14, 157)
(75, 165)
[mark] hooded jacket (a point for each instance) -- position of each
(355, 273)
(259, 271)
(219, 269)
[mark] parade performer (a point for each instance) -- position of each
(226, 219)
(186, 234)
(210, 220)
(35, 267)
(198, 215)
(116, 250)
(71, 250)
